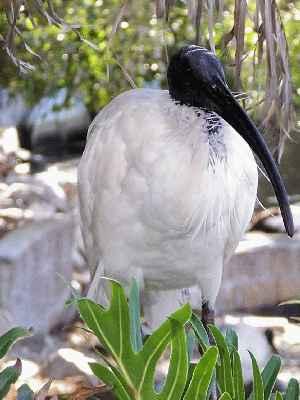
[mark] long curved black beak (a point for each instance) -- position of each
(229, 109)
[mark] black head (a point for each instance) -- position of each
(196, 78)
(193, 72)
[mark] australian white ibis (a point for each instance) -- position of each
(168, 181)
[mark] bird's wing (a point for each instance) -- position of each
(114, 140)
(87, 176)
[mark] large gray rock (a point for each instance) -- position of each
(35, 269)
(53, 124)
(265, 270)
(12, 109)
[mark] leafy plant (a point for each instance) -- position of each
(25, 393)
(9, 375)
(129, 365)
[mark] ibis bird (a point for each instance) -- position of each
(168, 182)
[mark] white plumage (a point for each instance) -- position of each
(159, 201)
(167, 186)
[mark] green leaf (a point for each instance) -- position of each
(11, 337)
(278, 396)
(8, 377)
(238, 381)
(258, 389)
(192, 367)
(135, 371)
(225, 396)
(110, 379)
(269, 375)
(171, 330)
(202, 376)
(135, 318)
(112, 327)
(231, 339)
(25, 393)
(224, 374)
(178, 368)
(191, 341)
(292, 392)
(200, 332)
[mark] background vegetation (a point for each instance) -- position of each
(129, 38)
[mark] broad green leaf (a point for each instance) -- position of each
(224, 373)
(11, 337)
(200, 332)
(153, 348)
(112, 327)
(292, 391)
(135, 318)
(25, 393)
(178, 368)
(238, 381)
(202, 376)
(278, 396)
(258, 389)
(8, 377)
(231, 339)
(136, 370)
(225, 396)
(110, 379)
(269, 375)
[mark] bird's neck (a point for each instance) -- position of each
(201, 108)
(191, 97)
(213, 123)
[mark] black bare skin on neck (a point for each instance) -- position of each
(186, 89)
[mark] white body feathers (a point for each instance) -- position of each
(161, 198)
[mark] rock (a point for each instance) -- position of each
(263, 271)
(28, 198)
(9, 139)
(12, 109)
(30, 190)
(52, 125)
(35, 269)
(275, 223)
(69, 362)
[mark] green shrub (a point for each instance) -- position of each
(129, 365)
(10, 374)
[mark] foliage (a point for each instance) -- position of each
(87, 38)
(129, 369)
(10, 374)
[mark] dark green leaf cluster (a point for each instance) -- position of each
(9, 375)
(129, 366)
